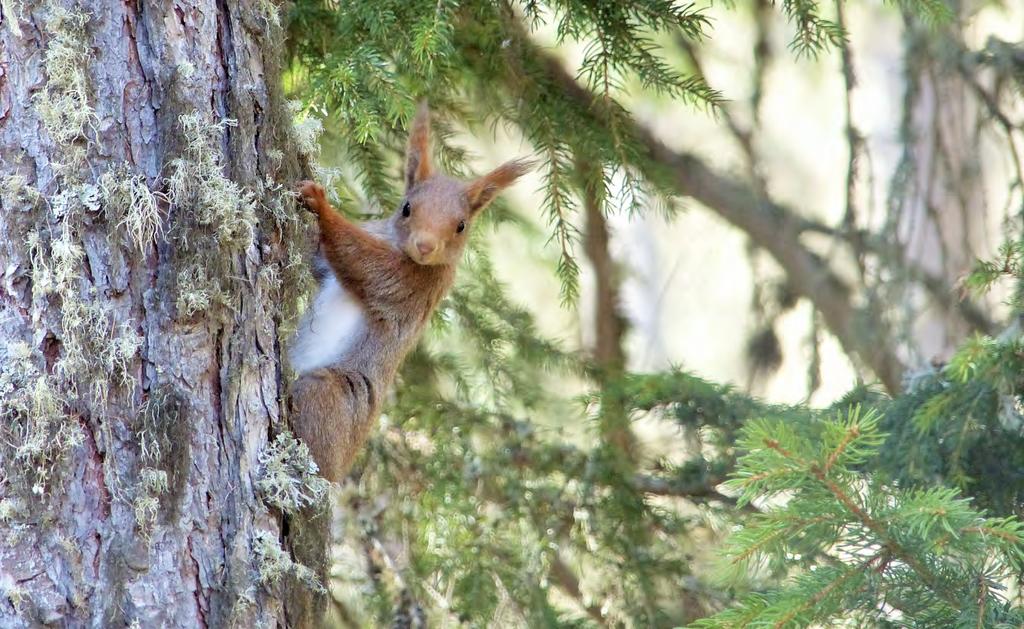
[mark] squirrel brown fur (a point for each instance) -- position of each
(379, 284)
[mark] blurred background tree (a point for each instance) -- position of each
(788, 197)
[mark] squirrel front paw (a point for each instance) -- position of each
(312, 195)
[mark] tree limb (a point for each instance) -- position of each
(567, 581)
(771, 226)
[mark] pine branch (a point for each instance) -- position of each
(927, 544)
(570, 584)
(825, 592)
(898, 550)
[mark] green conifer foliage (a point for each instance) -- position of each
(853, 547)
(491, 495)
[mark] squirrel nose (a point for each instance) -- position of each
(426, 247)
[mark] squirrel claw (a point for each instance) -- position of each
(311, 194)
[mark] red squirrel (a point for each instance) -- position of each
(379, 284)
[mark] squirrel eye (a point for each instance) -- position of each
(461, 227)
(406, 210)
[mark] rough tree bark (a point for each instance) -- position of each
(148, 253)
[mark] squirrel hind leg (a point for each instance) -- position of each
(333, 410)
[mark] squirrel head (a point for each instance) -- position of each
(436, 212)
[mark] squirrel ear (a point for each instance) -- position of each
(482, 191)
(417, 158)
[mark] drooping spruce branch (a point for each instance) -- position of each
(771, 226)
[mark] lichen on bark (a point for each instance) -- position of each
(131, 434)
(289, 478)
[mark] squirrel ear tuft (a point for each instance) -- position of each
(484, 189)
(418, 164)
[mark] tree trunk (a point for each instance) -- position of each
(149, 252)
(939, 222)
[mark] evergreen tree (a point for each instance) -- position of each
(477, 504)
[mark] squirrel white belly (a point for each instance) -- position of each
(329, 330)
